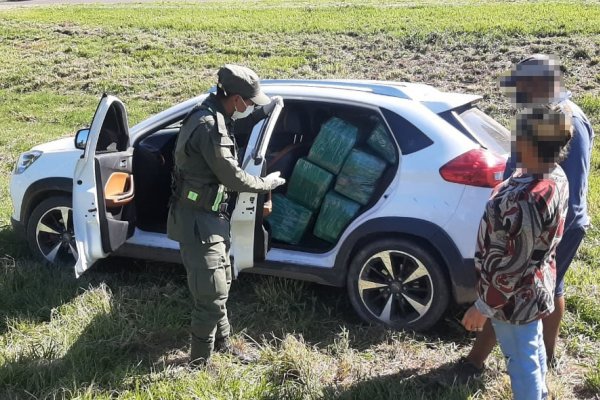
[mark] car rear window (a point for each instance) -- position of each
(484, 129)
(409, 137)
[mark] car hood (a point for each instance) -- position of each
(64, 144)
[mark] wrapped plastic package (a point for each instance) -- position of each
(309, 184)
(359, 176)
(381, 143)
(288, 220)
(336, 213)
(333, 144)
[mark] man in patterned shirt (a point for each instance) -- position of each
(522, 224)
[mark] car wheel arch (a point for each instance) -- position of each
(424, 233)
(41, 190)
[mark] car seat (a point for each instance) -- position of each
(288, 141)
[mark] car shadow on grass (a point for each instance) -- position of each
(407, 384)
(29, 289)
(139, 312)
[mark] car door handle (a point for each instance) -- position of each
(123, 164)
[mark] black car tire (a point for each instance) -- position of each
(50, 239)
(413, 296)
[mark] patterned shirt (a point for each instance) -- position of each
(516, 245)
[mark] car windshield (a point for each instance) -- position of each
(486, 130)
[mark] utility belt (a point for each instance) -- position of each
(211, 197)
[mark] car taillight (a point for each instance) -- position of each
(477, 167)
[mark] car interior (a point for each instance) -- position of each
(296, 129)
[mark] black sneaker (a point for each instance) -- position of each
(224, 346)
(466, 372)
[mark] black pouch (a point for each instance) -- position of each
(205, 198)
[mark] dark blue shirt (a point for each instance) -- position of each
(576, 166)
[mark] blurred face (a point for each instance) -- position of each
(536, 90)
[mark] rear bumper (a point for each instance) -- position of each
(18, 228)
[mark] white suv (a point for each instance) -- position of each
(404, 256)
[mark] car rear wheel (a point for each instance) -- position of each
(399, 284)
(50, 232)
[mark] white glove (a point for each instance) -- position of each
(274, 180)
(275, 100)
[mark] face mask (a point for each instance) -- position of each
(240, 115)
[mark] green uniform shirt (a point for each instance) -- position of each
(206, 154)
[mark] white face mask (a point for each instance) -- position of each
(240, 115)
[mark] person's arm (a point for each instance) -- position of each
(577, 168)
(217, 150)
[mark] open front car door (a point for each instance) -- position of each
(103, 185)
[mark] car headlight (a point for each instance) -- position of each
(26, 159)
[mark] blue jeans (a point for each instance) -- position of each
(523, 348)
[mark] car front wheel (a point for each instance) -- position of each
(50, 232)
(399, 284)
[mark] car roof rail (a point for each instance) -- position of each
(387, 89)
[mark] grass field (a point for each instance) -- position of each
(117, 331)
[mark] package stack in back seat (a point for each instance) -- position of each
(333, 182)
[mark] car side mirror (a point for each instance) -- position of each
(81, 138)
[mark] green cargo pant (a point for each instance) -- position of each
(209, 279)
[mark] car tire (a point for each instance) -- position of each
(52, 239)
(398, 283)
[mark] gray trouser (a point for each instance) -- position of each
(209, 279)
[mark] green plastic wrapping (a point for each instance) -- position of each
(336, 213)
(381, 143)
(288, 220)
(359, 176)
(309, 184)
(333, 144)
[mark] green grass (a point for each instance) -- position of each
(538, 18)
(119, 330)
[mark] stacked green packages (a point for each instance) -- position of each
(288, 220)
(382, 144)
(333, 143)
(309, 184)
(359, 176)
(336, 213)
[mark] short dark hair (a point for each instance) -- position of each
(552, 143)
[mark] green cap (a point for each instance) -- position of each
(235, 79)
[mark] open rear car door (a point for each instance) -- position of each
(243, 218)
(103, 185)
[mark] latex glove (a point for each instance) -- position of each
(275, 100)
(474, 320)
(274, 180)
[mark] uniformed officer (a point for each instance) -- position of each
(206, 171)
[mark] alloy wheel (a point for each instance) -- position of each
(395, 286)
(55, 236)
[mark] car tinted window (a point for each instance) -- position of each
(409, 137)
(486, 130)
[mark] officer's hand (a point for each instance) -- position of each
(275, 100)
(274, 180)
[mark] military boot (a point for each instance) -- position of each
(200, 353)
(223, 345)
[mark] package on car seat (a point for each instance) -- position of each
(288, 220)
(336, 213)
(309, 184)
(380, 142)
(359, 176)
(333, 144)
